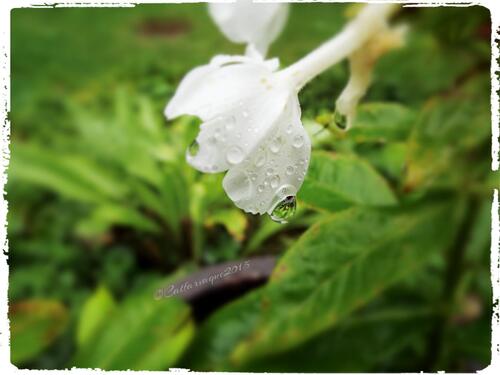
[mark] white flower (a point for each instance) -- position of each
(255, 24)
(250, 115)
(251, 128)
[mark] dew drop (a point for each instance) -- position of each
(289, 170)
(260, 188)
(260, 160)
(284, 209)
(275, 145)
(238, 187)
(274, 181)
(234, 155)
(289, 129)
(298, 141)
(269, 171)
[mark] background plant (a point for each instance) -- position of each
(384, 268)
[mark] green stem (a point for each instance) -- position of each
(454, 271)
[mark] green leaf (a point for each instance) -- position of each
(336, 182)
(233, 220)
(451, 130)
(34, 325)
(106, 215)
(70, 175)
(381, 122)
(143, 333)
(386, 332)
(337, 266)
(95, 313)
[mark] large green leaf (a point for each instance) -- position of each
(362, 343)
(338, 265)
(94, 315)
(451, 130)
(143, 333)
(34, 325)
(335, 182)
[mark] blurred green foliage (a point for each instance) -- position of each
(385, 266)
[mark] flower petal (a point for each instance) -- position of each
(229, 138)
(275, 169)
(248, 22)
(238, 102)
(223, 83)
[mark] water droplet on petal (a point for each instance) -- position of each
(289, 129)
(269, 171)
(237, 186)
(260, 159)
(260, 188)
(275, 145)
(298, 141)
(289, 170)
(230, 121)
(274, 181)
(234, 155)
(284, 209)
(193, 149)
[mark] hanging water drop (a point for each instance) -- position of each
(284, 209)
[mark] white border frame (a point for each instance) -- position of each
(7, 5)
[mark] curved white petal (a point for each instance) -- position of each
(230, 137)
(236, 98)
(252, 23)
(275, 169)
(224, 82)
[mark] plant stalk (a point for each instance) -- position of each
(370, 20)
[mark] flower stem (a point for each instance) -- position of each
(371, 19)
